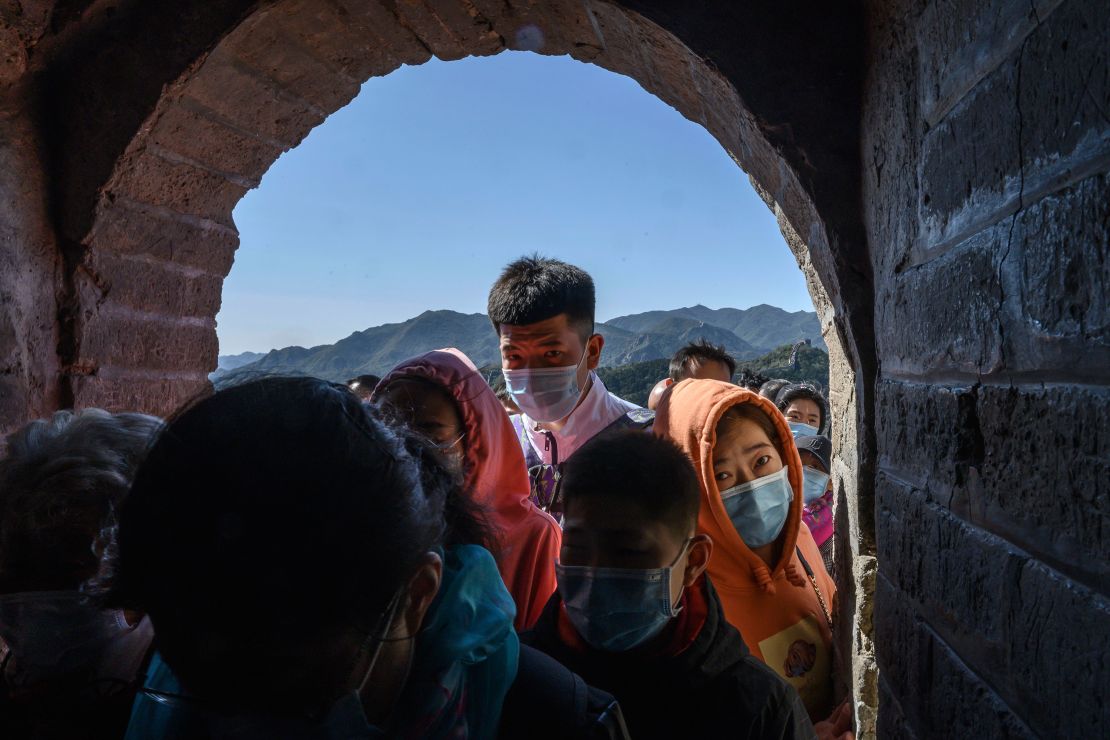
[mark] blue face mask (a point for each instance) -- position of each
(616, 609)
(799, 429)
(545, 393)
(814, 485)
(758, 508)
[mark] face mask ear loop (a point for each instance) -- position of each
(674, 610)
(381, 632)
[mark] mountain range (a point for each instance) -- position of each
(746, 334)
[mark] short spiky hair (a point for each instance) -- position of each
(536, 288)
(702, 351)
(640, 469)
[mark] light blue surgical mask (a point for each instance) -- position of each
(814, 485)
(758, 508)
(616, 609)
(799, 429)
(545, 394)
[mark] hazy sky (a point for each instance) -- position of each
(418, 192)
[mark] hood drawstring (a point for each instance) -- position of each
(763, 577)
(793, 575)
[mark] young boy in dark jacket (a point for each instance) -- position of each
(634, 613)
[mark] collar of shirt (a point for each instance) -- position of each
(598, 410)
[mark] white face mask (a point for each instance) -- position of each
(546, 394)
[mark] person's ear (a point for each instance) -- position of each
(697, 559)
(593, 351)
(422, 590)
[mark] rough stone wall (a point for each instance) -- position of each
(986, 150)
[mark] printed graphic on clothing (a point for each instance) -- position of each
(799, 655)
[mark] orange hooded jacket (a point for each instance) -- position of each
(777, 609)
(496, 476)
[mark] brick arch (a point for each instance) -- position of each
(148, 234)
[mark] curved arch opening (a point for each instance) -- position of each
(162, 237)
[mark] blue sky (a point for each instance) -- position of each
(417, 193)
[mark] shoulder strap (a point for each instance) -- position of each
(816, 588)
(637, 418)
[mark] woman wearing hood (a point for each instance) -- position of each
(442, 395)
(765, 566)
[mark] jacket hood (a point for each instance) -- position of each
(494, 461)
(688, 415)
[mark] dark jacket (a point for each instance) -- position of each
(713, 688)
(549, 702)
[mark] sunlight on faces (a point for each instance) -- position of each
(553, 342)
(428, 409)
(804, 410)
(615, 533)
(743, 453)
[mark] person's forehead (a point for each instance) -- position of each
(556, 328)
(812, 460)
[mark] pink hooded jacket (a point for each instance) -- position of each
(496, 476)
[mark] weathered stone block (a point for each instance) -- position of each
(180, 187)
(944, 315)
(967, 177)
(118, 392)
(188, 131)
(1044, 111)
(397, 41)
(119, 337)
(1059, 277)
(929, 690)
(1055, 505)
(1065, 86)
(954, 56)
(268, 50)
(436, 35)
(924, 433)
(336, 36)
(248, 101)
(473, 30)
(129, 229)
(1006, 615)
(148, 286)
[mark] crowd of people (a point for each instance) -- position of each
(417, 556)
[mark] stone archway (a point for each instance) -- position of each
(145, 184)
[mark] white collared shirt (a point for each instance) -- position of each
(598, 410)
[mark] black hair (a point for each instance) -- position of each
(701, 352)
(770, 389)
(794, 391)
(751, 379)
(536, 288)
(363, 385)
(268, 523)
(640, 469)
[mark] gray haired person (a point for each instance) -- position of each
(67, 667)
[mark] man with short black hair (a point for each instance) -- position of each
(543, 312)
(635, 614)
(702, 360)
